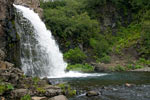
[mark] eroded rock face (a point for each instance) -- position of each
(5, 15)
(33, 4)
(8, 35)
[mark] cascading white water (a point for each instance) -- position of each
(40, 55)
(50, 59)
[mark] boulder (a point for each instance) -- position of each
(53, 92)
(59, 97)
(5, 65)
(18, 93)
(129, 85)
(100, 67)
(92, 93)
(38, 98)
(2, 98)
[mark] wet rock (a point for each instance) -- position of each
(128, 85)
(60, 97)
(114, 89)
(53, 92)
(92, 93)
(47, 80)
(39, 98)
(18, 93)
(2, 55)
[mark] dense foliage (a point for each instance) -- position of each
(75, 56)
(80, 26)
(80, 67)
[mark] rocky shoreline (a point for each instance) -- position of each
(118, 92)
(14, 85)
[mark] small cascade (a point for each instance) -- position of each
(40, 55)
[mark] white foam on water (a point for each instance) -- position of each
(77, 74)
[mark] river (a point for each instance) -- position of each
(111, 86)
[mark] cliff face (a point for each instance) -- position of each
(6, 15)
(33, 4)
(9, 41)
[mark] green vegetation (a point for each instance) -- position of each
(10, 87)
(26, 97)
(41, 90)
(36, 80)
(2, 89)
(106, 59)
(80, 26)
(120, 68)
(66, 88)
(75, 56)
(5, 87)
(80, 67)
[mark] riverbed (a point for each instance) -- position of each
(110, 86)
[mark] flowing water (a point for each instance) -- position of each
(111, 86)
(40, 54)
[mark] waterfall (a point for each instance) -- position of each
(40, 54)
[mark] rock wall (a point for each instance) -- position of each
(5, 15)
(9, 41)
(33, 4)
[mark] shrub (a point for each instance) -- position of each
(26, 97)
(138, 66)
(130, 66)
(10, 87)
(99, 46)
(75, 56)
(36, 80)
(40, 89)
(66, 88)
(2, 88)
(120, 68)
(80, 67)
(106, 59)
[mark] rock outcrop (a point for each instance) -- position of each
(6, 15)
(33, 4)
(8, 36)
(17, 85)
(92, 93)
